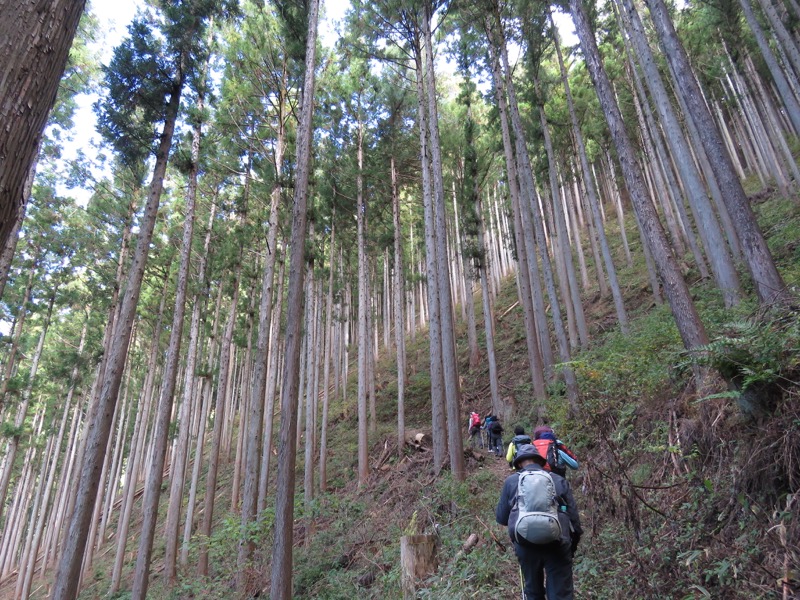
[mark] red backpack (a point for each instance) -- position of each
(547, 449)
(475, 420)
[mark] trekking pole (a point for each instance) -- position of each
(522, 582)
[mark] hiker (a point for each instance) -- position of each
(495, 437)
(518, 440)
(474, 428)
(543, 524)
(487, 421)
(555, 453)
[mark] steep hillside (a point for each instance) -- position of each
(681, 495)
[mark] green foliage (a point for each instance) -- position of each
(626, 368)
(757, 357)
(138, 79)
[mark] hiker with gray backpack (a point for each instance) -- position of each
(543, 523)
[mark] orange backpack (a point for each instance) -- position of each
(547, 449)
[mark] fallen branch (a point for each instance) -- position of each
(508, 310)
(491, 533)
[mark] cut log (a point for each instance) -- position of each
(417, 561)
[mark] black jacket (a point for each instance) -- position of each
(507, 511)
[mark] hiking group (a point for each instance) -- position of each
(487, 432)
(537, 506)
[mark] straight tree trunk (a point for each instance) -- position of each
(363, 339)
(449, 363)
(311, 394)
(532, 341)
(137, 448)
(273, 371)
(399, 296)
(256, 419)
(328, 333)
(778, 76)
(594, 203)
(220, 404)
(25, 578)
(719, 257)
(178, 475)
(16, 335)
(686, 317)
(768, 282)
(22, 411)
(141, 577)
(439, 423)
(488, 309)
(281, 582)
(66, 581)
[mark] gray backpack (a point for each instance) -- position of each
(538, 507)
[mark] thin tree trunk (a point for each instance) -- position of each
(219, 422)
(488, 309)
(141, 577)
(22, 411)
(449, 364)
(687, 319)
(399, 298)
(534, 353)
(137, 448)
(281, 582)
(439, 423)
(778, 75)
(311, 392)
(273, 371)
(768, 282)
(178, 470)
(363, 349)
(328, 333)
(594, 203)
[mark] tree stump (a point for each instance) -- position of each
(417, 561)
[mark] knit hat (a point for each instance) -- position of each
(537, 433)
(528, 451)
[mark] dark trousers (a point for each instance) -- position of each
(496, 443)
(555, 559)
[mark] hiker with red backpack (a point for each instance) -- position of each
(557, 456)
(474, 428)
(543, 523)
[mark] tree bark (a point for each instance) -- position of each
(188, 410)
(593, 201)
(438, 429)
(399, 299)
(36, 39)
(449, 363)
(281, 584)
(525, 273)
